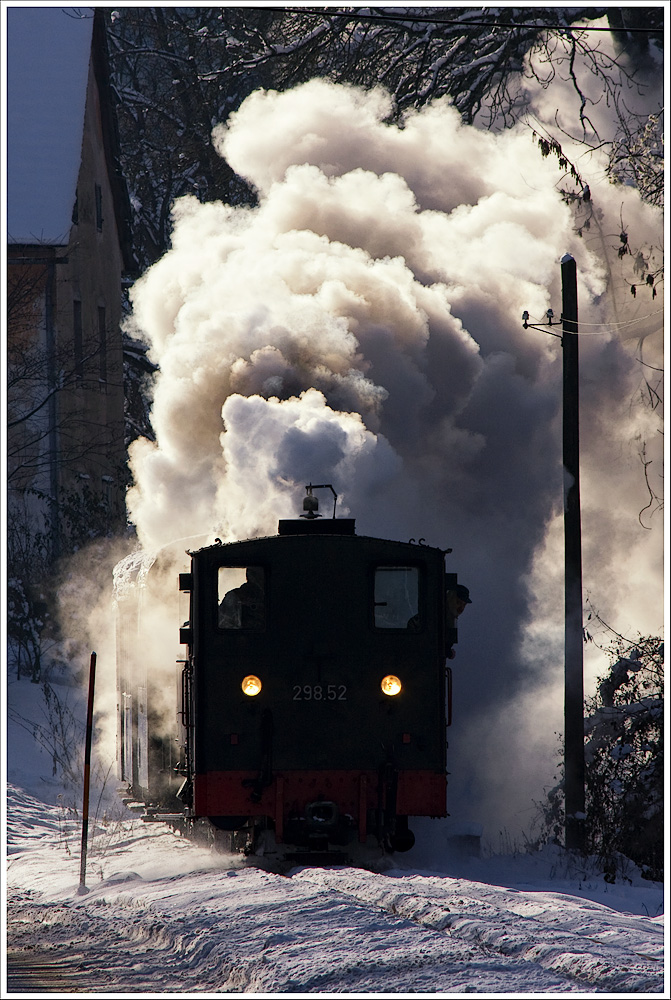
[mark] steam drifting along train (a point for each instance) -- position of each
(313, 699)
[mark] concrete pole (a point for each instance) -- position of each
(574, 746)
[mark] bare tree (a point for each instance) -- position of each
(51, 440)
(470, 54)
(177, 75)
(179, 71)
(38, 376)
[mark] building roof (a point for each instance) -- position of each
(48, 53)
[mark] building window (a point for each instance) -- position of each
(107, 484)
(102, 343)
(99, 208)
(78, 338)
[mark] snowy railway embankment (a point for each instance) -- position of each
(163, 915)
(554, 931)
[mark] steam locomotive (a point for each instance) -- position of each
(310, 709)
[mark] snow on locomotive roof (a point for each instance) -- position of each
(297, 527)
(131, 571)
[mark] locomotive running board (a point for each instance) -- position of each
(163, 818)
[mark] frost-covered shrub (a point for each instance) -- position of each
(27, 612)
(34, 575)
(24, 623)
(624, 766)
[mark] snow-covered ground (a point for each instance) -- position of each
(163, 915)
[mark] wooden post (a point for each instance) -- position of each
(87, 775)
(574, 745)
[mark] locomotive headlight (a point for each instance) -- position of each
(391, 685)
(251, 685)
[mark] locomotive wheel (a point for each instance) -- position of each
(402, 839)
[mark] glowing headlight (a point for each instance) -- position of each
(251, 685)
(391, 685)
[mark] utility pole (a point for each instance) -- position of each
(574, 744)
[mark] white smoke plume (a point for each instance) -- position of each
(362, 326)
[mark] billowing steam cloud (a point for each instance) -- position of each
(362, 326)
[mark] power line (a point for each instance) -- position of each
(426, 19)
(599, 328)
(626, 322)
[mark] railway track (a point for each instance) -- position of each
(346, 930)
(36, 972)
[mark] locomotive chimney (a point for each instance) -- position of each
(310, 521)
(310, 504)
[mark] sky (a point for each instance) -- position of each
(44, 124)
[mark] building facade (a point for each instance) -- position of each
(68, 252)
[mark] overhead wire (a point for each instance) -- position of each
(625, 322)
(427, 19)
(603, 328)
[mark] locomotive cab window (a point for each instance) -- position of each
(396, 597)
(242, 598)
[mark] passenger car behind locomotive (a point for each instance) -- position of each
(313, 698)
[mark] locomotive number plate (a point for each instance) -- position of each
(320, 692)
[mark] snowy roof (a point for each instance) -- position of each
(48, 52)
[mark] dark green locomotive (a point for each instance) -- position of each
(315, 694)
